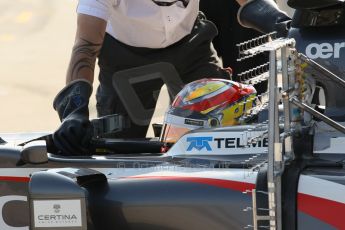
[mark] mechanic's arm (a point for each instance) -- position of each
(263, 16)
(75, 132)
(87, 44)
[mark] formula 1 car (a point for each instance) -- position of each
(282, 169)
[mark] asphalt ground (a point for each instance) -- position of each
(36, 38)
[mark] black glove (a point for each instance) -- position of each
(75, 132)
(264, 16)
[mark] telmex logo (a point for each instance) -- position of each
(200, 143)
(324, 50)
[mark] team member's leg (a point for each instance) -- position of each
(114, 57)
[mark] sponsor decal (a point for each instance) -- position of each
(3, 201)
(324, 50)
(193, 122)
(200, 143)
(235, 142)
(57, 208)
(57, 213)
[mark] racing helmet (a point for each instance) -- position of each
(206, 103)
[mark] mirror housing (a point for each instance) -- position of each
(34, 152)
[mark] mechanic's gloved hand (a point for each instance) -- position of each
(264, 16)
(75, 132)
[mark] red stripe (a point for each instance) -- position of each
(328, 211)
(226, 98)
(15, 179)
(228, 184)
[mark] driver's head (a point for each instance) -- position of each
(206, 103)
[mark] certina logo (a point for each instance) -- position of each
(57, 208)
(71, 218)
(200, 143)
(65, 218)
(324, 50)
(57, 213)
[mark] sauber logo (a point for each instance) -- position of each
(324, 50)
(199, 143)
(3, 201)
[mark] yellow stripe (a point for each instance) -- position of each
(204, 90)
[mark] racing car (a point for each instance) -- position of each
(284, 169)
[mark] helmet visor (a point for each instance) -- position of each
(171, 133)
(176, 126)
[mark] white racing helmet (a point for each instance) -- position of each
(206, 103)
